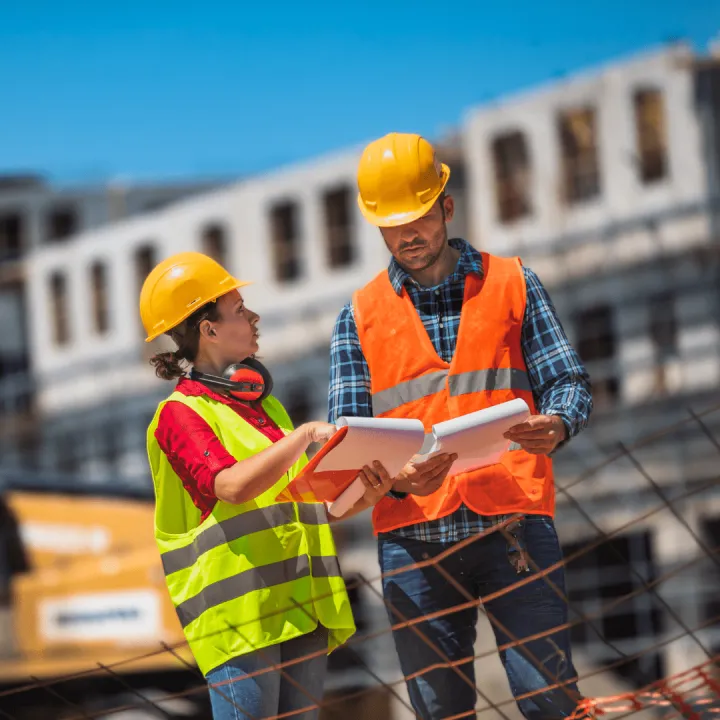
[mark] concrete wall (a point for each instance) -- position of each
(622, 194)
(297, 316)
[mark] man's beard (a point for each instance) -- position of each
(425, 260)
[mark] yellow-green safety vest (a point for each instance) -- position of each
(250, 575)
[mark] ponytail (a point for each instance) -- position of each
(187, 338)
(167, 365)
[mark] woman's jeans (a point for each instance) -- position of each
(293, 688)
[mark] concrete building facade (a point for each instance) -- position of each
(606, 184)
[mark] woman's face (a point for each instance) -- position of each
(235, 334)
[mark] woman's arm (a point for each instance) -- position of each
(251, 477)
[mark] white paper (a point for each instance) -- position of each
(347, 499)
(477, 437)
(390, 441)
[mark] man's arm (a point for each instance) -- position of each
(349, 392)
(350, 395)
(559, 380)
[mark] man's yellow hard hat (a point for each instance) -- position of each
(399, 179)
(178, 286)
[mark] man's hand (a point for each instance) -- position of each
(425, 477)
(539, 435)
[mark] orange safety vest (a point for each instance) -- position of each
(409, 380)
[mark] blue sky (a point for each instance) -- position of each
(164, 90)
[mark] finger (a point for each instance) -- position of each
(537, 422)
(536, 448)
(369, 479)
(427, 485)
(439, 469)
(432, 463)
(385, 486)
(325, 430)
(438, 476)
(542, 440)
(531, 424)
(373, 477)
(442, 461)
(384, 480)
(365, 480)
(381, 472)
(434, 483)
(537, 433)
(448, 463)
(522, 427)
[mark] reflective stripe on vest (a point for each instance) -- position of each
(236, 527)
(250, 575)
(408, 379)
(474, 381)
(257, 578)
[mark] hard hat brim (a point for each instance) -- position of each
(234, 286)
(397, 219)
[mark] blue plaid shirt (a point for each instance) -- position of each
(559, 381)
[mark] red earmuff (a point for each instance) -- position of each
(248, 381)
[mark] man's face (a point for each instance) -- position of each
(417, 245)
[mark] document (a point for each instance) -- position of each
(476, 438)
(358, 442)
(332, 475)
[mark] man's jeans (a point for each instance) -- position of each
(271, 693)
(480, 568)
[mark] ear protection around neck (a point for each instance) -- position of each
(249, 380)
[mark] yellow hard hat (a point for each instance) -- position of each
(178, 286)
(399, 179)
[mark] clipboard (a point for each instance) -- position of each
(331, 477)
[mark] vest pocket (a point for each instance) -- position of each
(496, 490)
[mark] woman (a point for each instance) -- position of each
(255, 583)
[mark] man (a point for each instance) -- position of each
(446, 331)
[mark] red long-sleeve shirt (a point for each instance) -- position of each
(194, 450)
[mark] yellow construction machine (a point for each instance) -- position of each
(87, 627)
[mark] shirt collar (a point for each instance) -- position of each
(194, 388)
(470, 261)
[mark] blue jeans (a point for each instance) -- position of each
(271, 693)
(480, 568)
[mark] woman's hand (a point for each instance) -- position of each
(377, 482)
(319, 432)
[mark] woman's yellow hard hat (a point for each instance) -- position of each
(399, 179)
(178, 286)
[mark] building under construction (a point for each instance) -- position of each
(607, 184)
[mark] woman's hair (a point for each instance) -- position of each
(187, 338)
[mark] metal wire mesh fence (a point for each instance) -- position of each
(692, 692)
